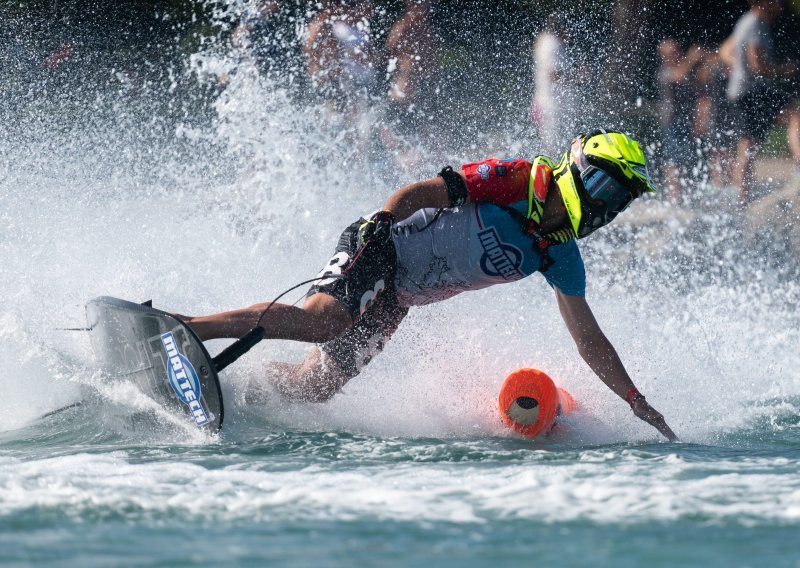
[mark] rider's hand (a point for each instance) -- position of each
(377, 230)
(642, 409)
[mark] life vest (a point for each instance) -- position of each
(538, 188)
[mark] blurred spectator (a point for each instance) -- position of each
(678, 98)
(754, 89)
(269, 36)
(557, 79)
(59, 56)
(413, 64)
(341, 57)
(413, 53)
(712, 123)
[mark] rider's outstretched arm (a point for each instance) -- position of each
(600, 355)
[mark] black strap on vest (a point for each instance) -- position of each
(531, 229)
(456, 186)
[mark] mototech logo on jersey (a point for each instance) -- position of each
(183, 379)
(499, 258)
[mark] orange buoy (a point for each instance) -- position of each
(529, 402)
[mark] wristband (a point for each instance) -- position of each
(633, 394)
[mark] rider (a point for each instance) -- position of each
(494, 221)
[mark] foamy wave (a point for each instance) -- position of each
(620, 487)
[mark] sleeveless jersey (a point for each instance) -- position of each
(441, 253)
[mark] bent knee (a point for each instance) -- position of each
(315, 380)
(320, 393)
(312, 389)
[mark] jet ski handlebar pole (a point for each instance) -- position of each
(239, 347)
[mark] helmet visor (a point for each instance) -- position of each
(602, 187)
(607, 199)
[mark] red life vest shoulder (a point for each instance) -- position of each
(501, 182)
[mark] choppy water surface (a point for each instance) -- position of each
(298, 496)
(410, 464)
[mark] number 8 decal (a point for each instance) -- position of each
(370, 295)
(333, 268)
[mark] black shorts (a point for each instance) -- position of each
(365, 287)
(755, 112)
(679, 145)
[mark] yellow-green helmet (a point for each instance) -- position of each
(601, 175)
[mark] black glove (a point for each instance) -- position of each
(377, 230)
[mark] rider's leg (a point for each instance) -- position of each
(321, 319)
(793, 133)
(316, 379)
(747, 149)
(313, 380)
(328, 368)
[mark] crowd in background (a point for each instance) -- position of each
(720, 105)
(392, 83)
(360, 83)
(716, 106)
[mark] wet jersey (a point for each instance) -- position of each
(441, 253)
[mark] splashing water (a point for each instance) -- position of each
(119, 197)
